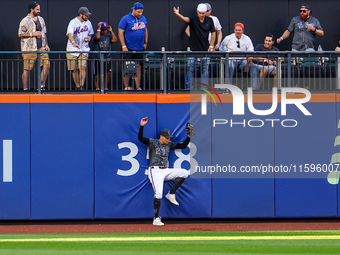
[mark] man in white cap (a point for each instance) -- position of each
(200, 27)
(79, 32)
(217, 24)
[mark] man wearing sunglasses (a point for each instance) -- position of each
(238, 41)
(304, 27)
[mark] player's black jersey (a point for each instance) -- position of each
(159, 153)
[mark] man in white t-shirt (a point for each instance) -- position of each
(217, 25)
(238, 41)
(79, 32)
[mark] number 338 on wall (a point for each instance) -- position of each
(135, 164)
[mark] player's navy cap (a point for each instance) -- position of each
(166, 133)
(137, 6)
(104, 25)
(85, 11)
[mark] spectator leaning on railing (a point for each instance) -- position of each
(133, 36)
(32, 31)
(200, 27)
(79, 33)
(217, 25)
(304, 27)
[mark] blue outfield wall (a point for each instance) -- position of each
(78, 157)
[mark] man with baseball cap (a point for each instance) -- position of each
(79, 32)
(238, 41)
(133, 36)
(200, 27)
(102, 42)
(159, 172)
(32, 31)
(304, 27)
(217, 24)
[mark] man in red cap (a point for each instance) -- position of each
(238, 41)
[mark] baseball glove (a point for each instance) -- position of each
(190, 129)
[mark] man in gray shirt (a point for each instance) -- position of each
(159, 172)
(304, 27)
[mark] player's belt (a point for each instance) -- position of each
(160, 167)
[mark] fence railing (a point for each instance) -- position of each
(166, 71)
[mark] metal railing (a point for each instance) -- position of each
(165, 71)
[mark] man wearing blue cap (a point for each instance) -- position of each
(133, 36)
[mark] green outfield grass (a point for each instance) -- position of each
(268, 242)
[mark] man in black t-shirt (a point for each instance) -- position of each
(266, 65)
(200, 27)
(102, 42)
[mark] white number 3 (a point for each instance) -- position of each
(130, 158)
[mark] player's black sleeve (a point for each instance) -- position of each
(141, 137)
(183, 145)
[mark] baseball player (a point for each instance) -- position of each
(158, 171)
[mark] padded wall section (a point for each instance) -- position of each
(194, 196)
(15, 157)
(242, 144)
(62, 157)
(306, 193)
(122, 188)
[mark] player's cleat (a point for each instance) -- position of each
(172, 198)
(157, 222)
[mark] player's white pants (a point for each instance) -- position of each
(158, 176)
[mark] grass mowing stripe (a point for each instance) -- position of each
(172, 238)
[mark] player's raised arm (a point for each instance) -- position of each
(141, 131)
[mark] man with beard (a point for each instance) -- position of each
(133, 36)
(304, 27)
(32, 31)
(79, 32)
